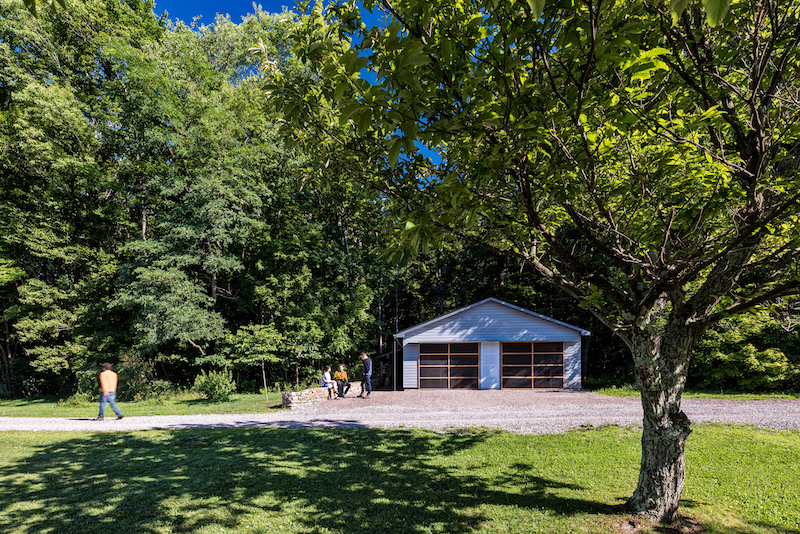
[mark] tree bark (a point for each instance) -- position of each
(198, 347)
(661, 362)
(264, 378)
(6, 356)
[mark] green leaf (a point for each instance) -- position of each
(340, 90)
(394, 150)
(716, 10)
(676, 8)
(364, 122)
(349, 111)
(537, 7)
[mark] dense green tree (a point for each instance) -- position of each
(255, 345)
(643, 161)
(149, 209)
(746, 353)
(60, 210)
(9, 274)
(232, 233)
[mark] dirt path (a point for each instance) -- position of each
(519, 411)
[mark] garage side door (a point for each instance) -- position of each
(532, 365)
(448, 365)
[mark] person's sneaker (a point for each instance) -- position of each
(360, 396)
(120, 416)
(97, 419)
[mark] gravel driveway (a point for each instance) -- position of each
(519, 411)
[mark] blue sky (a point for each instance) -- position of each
(186, 10)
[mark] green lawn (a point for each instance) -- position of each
(740, 481)
(631, 391)
(182, 404)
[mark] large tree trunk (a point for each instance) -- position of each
(661, 364)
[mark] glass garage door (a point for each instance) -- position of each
(448, 365)
(533, 365)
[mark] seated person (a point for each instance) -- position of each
(327, 382)
(342, 381)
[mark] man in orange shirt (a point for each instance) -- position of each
(108, 392)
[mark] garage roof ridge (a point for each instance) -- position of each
(403, 333)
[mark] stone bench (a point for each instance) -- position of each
(307, 397)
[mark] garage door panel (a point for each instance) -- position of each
(544, 361)
(433, 348)
(548, 382)
(460, 359)
(517, 383)
(464, 348)
(516, 359)
(464, 372)
(435, 372)
(463, 383)
(433, 359)
(517, 347)
(548, 370)
(438, 383)
(449, 365)
(517, 371)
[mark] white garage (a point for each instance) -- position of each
(491, 345)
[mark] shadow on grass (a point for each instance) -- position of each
(37, 399)
(267, 480)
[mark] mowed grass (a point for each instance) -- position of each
(740, 481)
(179, 404)
(631, 391)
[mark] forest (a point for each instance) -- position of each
(154, 214)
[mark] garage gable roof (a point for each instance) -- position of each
(443, 318)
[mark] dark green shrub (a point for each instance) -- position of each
(88, 383)
(216, 386)
(745, 353)
(159, 389)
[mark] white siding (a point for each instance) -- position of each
(572, 365)
(491, 322)
(490, 365)
(410, 359)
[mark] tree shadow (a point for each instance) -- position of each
(344, 480)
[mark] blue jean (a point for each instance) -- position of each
(366, 385)
(111, 398)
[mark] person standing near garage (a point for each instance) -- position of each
(366, 381)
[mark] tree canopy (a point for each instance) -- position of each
(644, 161)
(150, 210)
